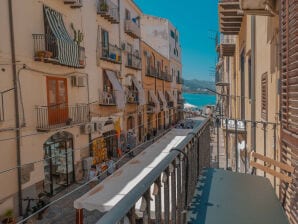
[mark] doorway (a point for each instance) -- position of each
(59, 163)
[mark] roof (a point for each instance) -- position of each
(227, 197)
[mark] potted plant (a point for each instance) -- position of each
(8, 217)
(104, 7)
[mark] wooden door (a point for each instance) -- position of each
(57, 100)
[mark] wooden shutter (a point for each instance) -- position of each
(264, 97)
(289, 102)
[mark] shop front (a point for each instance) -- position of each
(59, 163)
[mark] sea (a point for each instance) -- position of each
(199, 100)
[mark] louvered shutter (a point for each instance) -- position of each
(289, 102)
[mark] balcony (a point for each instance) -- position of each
(258, 7)
(59, 116)
(179, 80)
(132, 29)
(230, 17)
(166, 76)
(180, 100)
(132, 97)
(150, 108)
(49, 49)
(227, 45)
(107, 98)
(133, 61)
(74, 4)
(110, 53)
(108, 10)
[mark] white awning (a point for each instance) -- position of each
(163, 100)
(141, 93)
(155, 100)
(119, 92)
(109, 192)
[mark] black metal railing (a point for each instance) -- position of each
(166, 76)
(46, 50)
(109, 52)
(107, 97)
(132, 97)
(108, 10)
(179, 80)
(178, 172)
(133, 61)
(57, 116)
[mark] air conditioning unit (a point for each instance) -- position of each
(87, 128)
(78, 81)
(98, 125)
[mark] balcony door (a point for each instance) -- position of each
(57, 100)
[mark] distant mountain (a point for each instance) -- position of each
(198, 86)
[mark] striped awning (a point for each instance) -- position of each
(155, 101)
(67, 49)
(163, 100)
(141, 93)
(119, 92)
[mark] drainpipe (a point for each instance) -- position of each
(16, 103)
(253, 82)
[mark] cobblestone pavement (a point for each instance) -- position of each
(64, 212)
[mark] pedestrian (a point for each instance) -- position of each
(92, 178)
(111, 167)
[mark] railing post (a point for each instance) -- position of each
(173, 193)
(179, 193)
(158, 201)
(132, 215)
(166, 196)
(79, 216)
(236, 145)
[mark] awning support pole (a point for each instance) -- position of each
(79, 216)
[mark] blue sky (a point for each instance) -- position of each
(195, 20)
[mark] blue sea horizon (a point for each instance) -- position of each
(199, 100)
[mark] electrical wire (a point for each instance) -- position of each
(73, 150)
(85, 184)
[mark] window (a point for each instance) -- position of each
(172, 34)
(127, 14)
(264, 95)
(249, 77)
(105, 43)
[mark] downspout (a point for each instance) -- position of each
(16, 103)
(253, 82)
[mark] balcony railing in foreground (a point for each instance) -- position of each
(57, 116)
(176, 172)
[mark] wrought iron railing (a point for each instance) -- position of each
(166, 76)
(107, 97)
(110, 53)
(179, 80)
(227, 39)
(132, 97)
(108, 10)
(61, 115)
(177, 173)
(133, 61)
(46, 50)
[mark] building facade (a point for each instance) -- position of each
(255, 81)
(74, 92)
